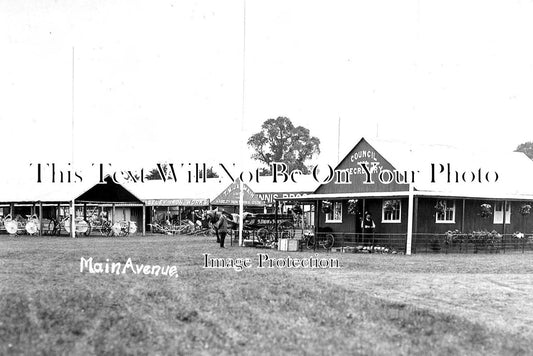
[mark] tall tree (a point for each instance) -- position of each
(154, 174)
(280, 141)
(527, 148)
(209, 173)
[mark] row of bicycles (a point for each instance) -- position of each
(54, 227)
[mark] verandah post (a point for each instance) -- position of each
(410, 209)
(40, 218)
(317, 224)
(72, 220)
(362, 222)
(415, 221)
(144, 219)
(276, 220)
(504, 207)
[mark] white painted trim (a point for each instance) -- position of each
(417, 193)
(508, 214)
(397, 221)
(447, 221)
(332, 209)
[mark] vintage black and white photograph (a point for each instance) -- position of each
(200, 177)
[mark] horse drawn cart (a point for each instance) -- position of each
(261, 228)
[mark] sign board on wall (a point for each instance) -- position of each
(269, 198)
(177, 202)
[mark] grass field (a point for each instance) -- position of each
(373, 304)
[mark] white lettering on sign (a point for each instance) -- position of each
(270, 197)
(368, 154)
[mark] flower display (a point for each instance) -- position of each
(440, 207)
(525, 209)
(352, 207)
(518, 235)
(390, 205)
(326, 206)
(486, 210)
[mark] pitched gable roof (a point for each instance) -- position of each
(438, 171)
(230, 196)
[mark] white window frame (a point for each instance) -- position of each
(498, 214)
(330, 216)
(395, 221)
(444, 221)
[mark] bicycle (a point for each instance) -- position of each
(105, 228)
(325, 241)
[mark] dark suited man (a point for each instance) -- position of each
(213, 219)
(222, 228)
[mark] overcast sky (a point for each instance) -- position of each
(163, 80)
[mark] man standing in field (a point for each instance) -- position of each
(212, 218)
(222, 227)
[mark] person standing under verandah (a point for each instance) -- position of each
(367, 225)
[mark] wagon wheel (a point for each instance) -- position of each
(89, 228)
(82, 227)
(132, 227)
(11, 227)
(329, 240)
(32, 227)
(264, 235)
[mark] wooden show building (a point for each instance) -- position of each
(416, 193)
(54, 201)
(175, 201)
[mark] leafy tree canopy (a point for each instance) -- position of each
(154, 174)
(527, 148)
(280, 141)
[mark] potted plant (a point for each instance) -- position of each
(352, 207)
(525, 209)
(389, 205)
(440, 207)
(326, 206)
(486, 210)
